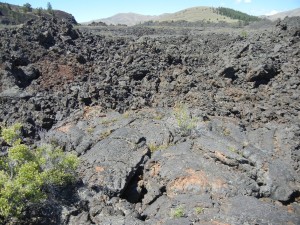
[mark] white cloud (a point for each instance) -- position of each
(245, 1)
(272, 13)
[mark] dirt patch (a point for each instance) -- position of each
(218, 184)
(56, 73)
(235, 93)
(65, 128)
(99, 169)
(92, 111)
(195, 180)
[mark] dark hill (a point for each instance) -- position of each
(237, 15)
(14, 15)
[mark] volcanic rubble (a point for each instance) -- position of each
(112, 100)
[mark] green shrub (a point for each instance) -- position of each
(226, 132)
(198, 210)
(232, 149)
(39, 11)
(27, 8)
(178, 212)
(26, 173)
(185, 122)
(244, 34)
(154, 147)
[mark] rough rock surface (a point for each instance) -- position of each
(111, 100)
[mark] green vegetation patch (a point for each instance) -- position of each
(198, 14)
(237, 15)
(185, 122)
(154, 147)
(26, 173)
(177, 212)
(198, 210)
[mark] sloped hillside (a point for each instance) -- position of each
(237, 15)
(125, 18)
(13, 14)
(196, 14)
(282, 15)
(206, 14)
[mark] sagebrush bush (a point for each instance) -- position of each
(178, 212)
(184, 121)
(25, 173)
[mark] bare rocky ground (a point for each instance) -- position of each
(111, 96)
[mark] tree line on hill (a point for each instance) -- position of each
(28, 8)
(18, 13)
(234, 14)
(14, 14)
(243, 19)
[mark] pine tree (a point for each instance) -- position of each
(49, 7)
(27, 8)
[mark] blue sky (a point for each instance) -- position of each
(95, 9)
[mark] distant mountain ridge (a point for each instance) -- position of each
(125, 18)
(201, 13)
(282, 15)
